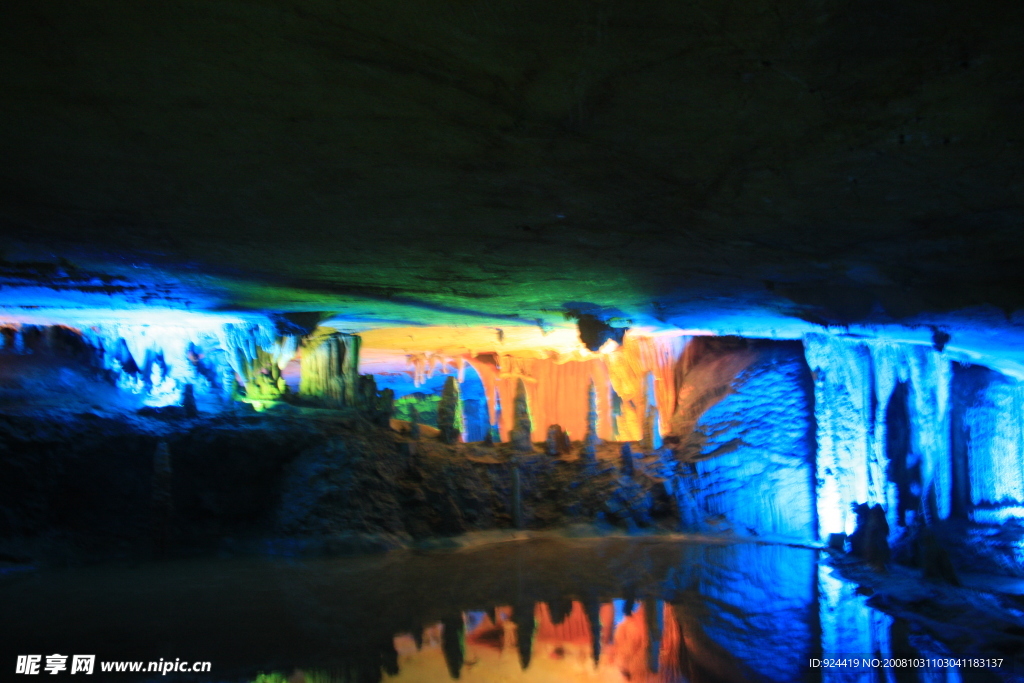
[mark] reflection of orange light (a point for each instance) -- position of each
(562, 652)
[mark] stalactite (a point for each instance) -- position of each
(556, 392)
(486, 366)
(643, 373)
(854, 382)
(157, 362)
(330, 363)
(449, 412)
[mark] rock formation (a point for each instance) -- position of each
(520, 436)
(449, 412)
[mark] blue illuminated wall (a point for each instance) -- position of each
(152, 364)
(988, 444)
(756, 467)
(854, 381)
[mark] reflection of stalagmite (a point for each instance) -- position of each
(653, 620)
(559, 609)
(388, 657)
(592, 608)
(453, 644)
(523, 618)
(330, 366)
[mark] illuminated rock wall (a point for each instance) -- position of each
(988, 444)
(153, 364)
(557, 387)
(747, 452)
(854, 381)
(330, 369)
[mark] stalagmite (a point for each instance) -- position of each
(385, 404)
(654, 620)
(590, 441)
(520, 436)
(626, 453)
(449, 412)
(870, 540)
(366, 398)
(188, 401)
(558, 441)
(414, 424)
(652, 428)
(551, 444)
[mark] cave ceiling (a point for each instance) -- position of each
(465, 162)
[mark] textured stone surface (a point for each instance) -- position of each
(316, 156)
(751, 451)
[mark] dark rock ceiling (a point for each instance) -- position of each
(841, 160)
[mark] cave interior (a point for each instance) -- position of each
(514, 340)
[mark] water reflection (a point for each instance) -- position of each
(596, 610)
(613, 641)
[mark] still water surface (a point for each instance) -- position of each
(567, 610)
